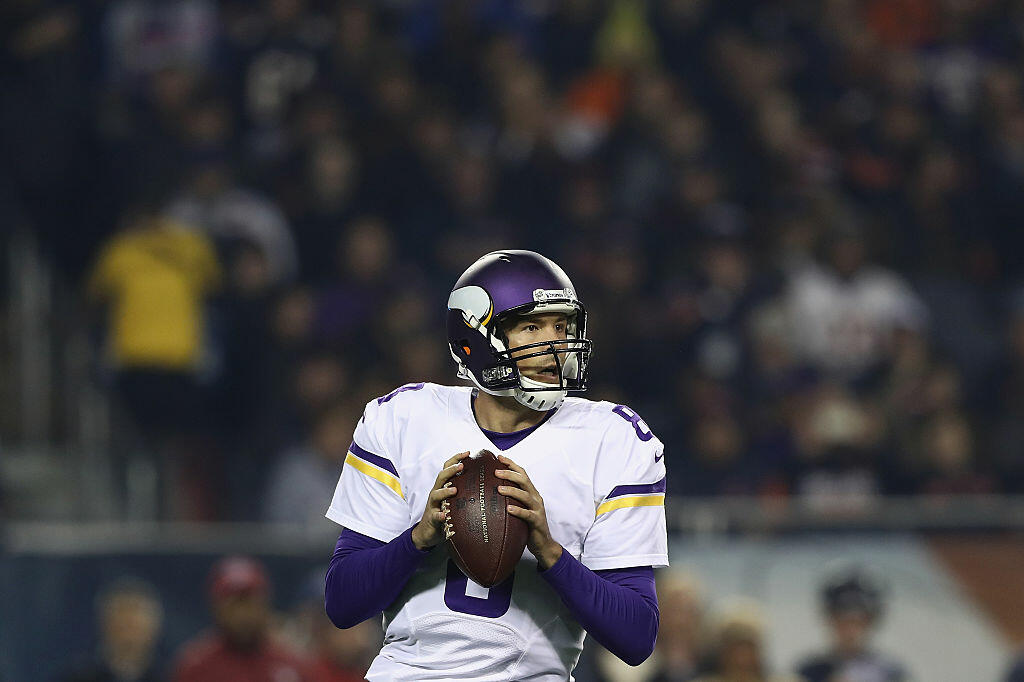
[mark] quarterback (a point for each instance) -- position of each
(587, 477)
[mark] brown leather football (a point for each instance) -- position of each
(484, 540)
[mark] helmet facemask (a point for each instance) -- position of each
(568, 355)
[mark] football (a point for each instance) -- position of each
(484, 540)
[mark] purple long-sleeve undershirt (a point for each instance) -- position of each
(367, 575)
(619, 608)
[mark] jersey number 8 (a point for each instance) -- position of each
(643, 432)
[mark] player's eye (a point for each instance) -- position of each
(530, 328)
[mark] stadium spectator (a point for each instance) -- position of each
(839, 468)
(154, 278)
(950, 466)
(845, 309)
(679, 654)
(736, 649)
(305, 475)
(328, 198)
(352, 48)
(300, 386)
(853, 603)
(726, 292)
(240, 647)
(716, 467)
(130, 619)
(320, 379)
(276, 52)
(241, 317)
(213, 202)
(291, 347)
(365, 265)
(680, 651)
(143, 37)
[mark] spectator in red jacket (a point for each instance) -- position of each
(239, 648)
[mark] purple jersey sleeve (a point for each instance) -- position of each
(367, 575)
(618, 607)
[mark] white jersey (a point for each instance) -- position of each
(601, 473)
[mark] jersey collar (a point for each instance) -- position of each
(505, 441)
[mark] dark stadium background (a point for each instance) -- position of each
(795, 226)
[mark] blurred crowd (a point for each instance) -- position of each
(792, 223)
(249, 639)
(727, 641)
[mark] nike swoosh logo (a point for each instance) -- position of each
(657, 458)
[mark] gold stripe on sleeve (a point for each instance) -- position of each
(373, 472)
(656, 500)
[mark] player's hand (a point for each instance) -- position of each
(430, 529)
(530, 508)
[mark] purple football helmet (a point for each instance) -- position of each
(498, 287)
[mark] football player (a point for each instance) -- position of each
(587, 477)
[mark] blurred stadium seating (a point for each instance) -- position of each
(227, 225)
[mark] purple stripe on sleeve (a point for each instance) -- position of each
(639, 489)
(367, 575)
(618, 607)
(382, 462)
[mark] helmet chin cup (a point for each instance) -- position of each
(540, 400)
